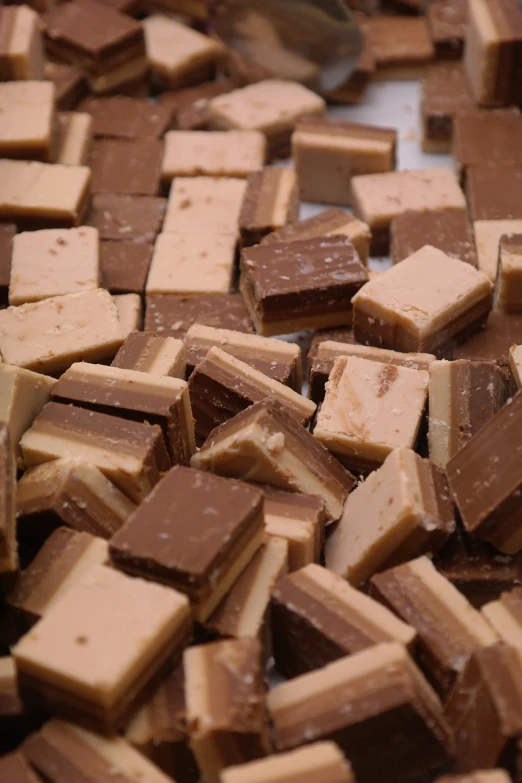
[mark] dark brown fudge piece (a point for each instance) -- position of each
(69, 83)
(129, 167)
(487, 136)
(448, 231)
(173, 314)
(124, 217)
(447, 20)
(494, 191)
(445, 93)
(126, 118)
(125, 266)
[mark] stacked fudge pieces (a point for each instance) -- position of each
(214, 569)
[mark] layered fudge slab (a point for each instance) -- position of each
(128, 167)
(22, 396)
(150, 353)
(402, 46)
(131, 454)
(426, 303)
(379, 198)
(108, 46)
(121, 217)
(463, 396)
(69, 83)
(226, 713)
(508, 286)
(210, 204)
(177, 55)
(374, 533)
(189, 107)
(267, 445)
(27, 119)
(124, 266)
(318, 618)
(492, 53)
(484, 477)
(61, 750)
(271, 201)
(329, 222)
(8, 545)
(277, 359)
(447, 22)
(53, 262)
(272, 106)
(222, 386)
(121, 117)
(370, 408)
(515, 364)
(48, 336)
(299, 519)
(494, 191)
(486, 136)
(301, 285)
(504, 616)
(160, 541)
(445, 93)
(221, 154)
(449, 629)
(21, 48)
(450, 232)
(192, 263)
(74, 136)
(493, 343)
(488, 234)
(130, 312)
(14, 767)
(174, 314)
(42, 195)
(321, 760)
(392, 707)
(7, 233)
(340, 151)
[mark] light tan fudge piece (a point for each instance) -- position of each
(177, 55)
(210, 204)
(130, 312)
(186, 263)
(74, 138)
(148, 352)
(219, 154)
(374, 533)
(271, 202)
(487, 240)
(48, 336)
(379, 198)
(425, 303)
(22, 45)
(321, 761)
(94, 652)
(27, 119)
(53, 262)
(273, 106)
(299, 519)
(504, 617)
(39, 195)
(508, 285)
(8, 542)
(22, 396)
(515, 363)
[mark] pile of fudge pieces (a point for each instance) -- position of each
(180, 516)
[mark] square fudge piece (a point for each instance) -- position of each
(120, 117)
(95, 654)
(480, 136)
(494, 191)
(272, 106)
(402, 46)
(379, 198)
(125, 266)
(210, 204)
(301, 285)
(53, 262)
(129, 167)
(425, 303)
(185, 263)
(488, 234)
(445, 93)
(21, 46)
(508, 288)
(27, 120)
(117, 216)
(449, 231)
(219, 154)
(369, 409)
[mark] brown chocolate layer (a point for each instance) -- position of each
(494, 191)
(174, 314)
(126, 118)
(450, 232)
(125, 266)
(126, 167)
(125, 217)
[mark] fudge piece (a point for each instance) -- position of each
(301, 285)
(147, 352)
(14, 767)
(21, 47)
(299, 519)
(374, 533)
(131, 454)
(449, 231)
(121, 117)
(192, 263)
(189, 107)
(53, 262)
(504, 616)
(445, 93)
(174, 314)
(370, 408)
(492, 51)
(271, 201)
(27, 120)
(463, 396)
(426, 303)
(22, 396)
(492, 344)
(130, 312)
(272, 106)
(488, 234)
(406, 725)
(41, 195)
(221, 154)
(125, 265)
(401, 46)
(49, 335)
(177, 55)
(135, 395)
(128, 167)
(210, 204)
(161, 540)
(122, 217)
(447, 22)
(484, 478)
(266, 444)
(515, 364)
(7, 232)
(69, 83)
(379, 198)
(480, 136)
(321, 760)
(108, 46)
(339, 150)
(8, 545)
(494, 191)
(221, 386)
(317, 618)
(74, 138)
(508, 291)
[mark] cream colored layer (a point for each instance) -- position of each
(515, 363)
(27, 117)
(207, 336)
(440, 409)
(130, 312)
(173, 388)
(301, 535)
(7, 668)
(74, 138)
(285, 197)
(115, 501)
(26, 48)
(22, 396)
(436, 146)
(41, 189)
(169, 360)
(218, 154)
(487, 240)
(508, 285)
(504, 623)
(330, 348)
(210, 204)
(123, 74)
(321, 762)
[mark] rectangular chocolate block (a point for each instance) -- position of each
(321, 760)
(210, 204)
(121, 117)
(447, 22)
(147, 352)
(69, 83)
(402, 46)
(480, 136)
(174, 314)
(445, 93)
(494, 191)
(8, 545)
(118, 216)
(124, 266)
(299, 519)
(504, 616)
(22, 396)
(220, 154)
(206, 564)
(127, 167)
(27, 120)
(508, 286)
(74, 138)
(271, 201)
(271, 447)
(450, 232)
(21, 47)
